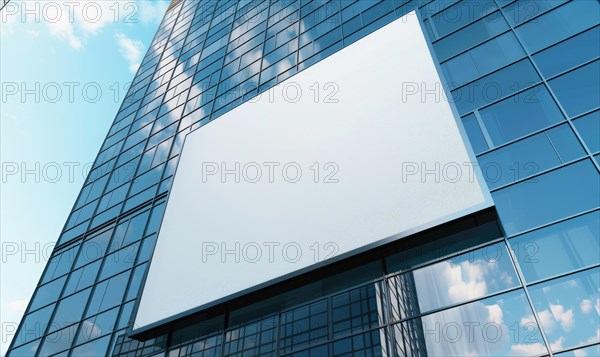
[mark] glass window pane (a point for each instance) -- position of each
(534, 202)
(82, 278)
(559, 248)
(27, 350)
(559, 24)
(92, 349)
(474, 133)
(525, 10)
(47, 293)
(60, 264)
(588, 127)
(58, 341)
(96, 326)
(34, 325)
(483, 59)
(69, 310)
(578, 91)
(356, 310)
(569, 309)
(136, 281)
(518, 160)
(477, 32)
(118, 261)
(581, 48)
(468, 276)
(496, 53)
(495, 86)
(520, 115)
(93, 248)
(498, 326)
(108, 293)
(461, 14)
(566, 143)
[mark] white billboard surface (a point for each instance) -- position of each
(357, 150)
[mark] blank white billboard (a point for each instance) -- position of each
(344, 156)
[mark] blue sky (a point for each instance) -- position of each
(64, 69)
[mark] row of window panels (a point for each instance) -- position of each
(324, 46)
(504, 42)
(151, 170)
(505, 49)
(509, 315)
(542, 247)
(87, 266)
(149, 167)
(122, 208)
(461, 14)
(577, 91)
(317, 34)
(539, 33)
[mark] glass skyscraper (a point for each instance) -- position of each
(520, 278)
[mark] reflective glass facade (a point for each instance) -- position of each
(523, 76)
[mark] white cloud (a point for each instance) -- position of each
(77, 22)
(558, 344)
(132, 50)
(586, 306)
(546, 319)
(63, 29)
(564, 317)
(18, 305)
(593, 339)
(495, 314)
(527, 349)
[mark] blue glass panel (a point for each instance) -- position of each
(453, 280)
(58, 341)
(566, 143)
(509, 329)
(118, 261)
(47, 293)
(483, 59)
(474, 133)
(93, 248)
(461, 14)
(82, 278)
(559, 24)
(96, 326)
(579, 91)
(588, 127)
(534, 202)
(108, 293)
(94, 348)
(33, 325)
(495, 86)
(517, 161)
(520, 115)
(568, 308)
(69, 310)
(136, 281)
(27, 350)
(470, 36)
(559, 248)
(581, 48)
(525, 10)
(60, 264)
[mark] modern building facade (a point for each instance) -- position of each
(518, 277)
